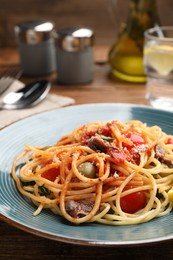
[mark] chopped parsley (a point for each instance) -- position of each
(44, 191)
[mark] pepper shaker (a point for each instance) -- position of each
(36, 42)
(74, 52)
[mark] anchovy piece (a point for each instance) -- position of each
(97, 144)
(160, 155)
(78, 209)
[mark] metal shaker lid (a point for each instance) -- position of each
(34, 32)
(74, 39)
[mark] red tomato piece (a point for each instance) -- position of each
(169, 141)
(87, 135)
(136, 138)
(51, 174)
(117, 155)
(133, 202)
(105, 130)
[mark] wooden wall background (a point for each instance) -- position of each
(97, 14)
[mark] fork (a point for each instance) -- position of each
(8, 78)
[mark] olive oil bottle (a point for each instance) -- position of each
(126, 55)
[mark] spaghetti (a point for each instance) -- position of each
(112, 173)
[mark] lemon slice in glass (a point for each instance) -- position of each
(160, 57)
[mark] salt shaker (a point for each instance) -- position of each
(36, 42)
(74, 52)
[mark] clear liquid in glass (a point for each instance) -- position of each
(158, 63)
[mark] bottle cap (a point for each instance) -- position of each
(74, 39)
(34, 32)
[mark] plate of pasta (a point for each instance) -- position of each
(91, 174)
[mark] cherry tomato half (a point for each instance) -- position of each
(133, 202)
(117, 155)
(105, 130)
(169, 141)
(136, 138)
(51, 174)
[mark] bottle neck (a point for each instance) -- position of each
(142, 14)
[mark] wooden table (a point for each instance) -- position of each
(102, 89)
(17, 244)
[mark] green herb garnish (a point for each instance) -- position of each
(44, 190)
(28, 183)
(159, 195)
(106, 138)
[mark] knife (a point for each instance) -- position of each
(8, 78)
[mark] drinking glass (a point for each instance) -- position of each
(158, 64)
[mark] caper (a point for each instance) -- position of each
(87, 169)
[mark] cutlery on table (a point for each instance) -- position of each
(29, 95)
(7, 79)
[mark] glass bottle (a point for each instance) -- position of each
(126, 55)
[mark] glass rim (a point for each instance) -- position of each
(159, 30)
